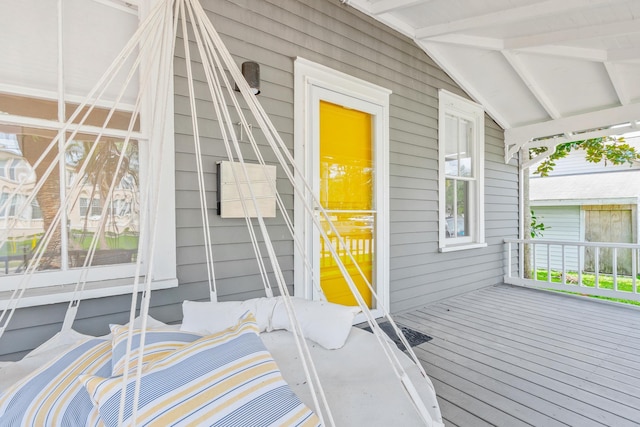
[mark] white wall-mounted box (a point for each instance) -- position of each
(262, 182)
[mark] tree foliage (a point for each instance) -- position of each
(608, 149)
(611, 150)
(537, 227)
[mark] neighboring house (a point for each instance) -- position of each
(587, 202)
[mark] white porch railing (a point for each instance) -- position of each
(612, 266)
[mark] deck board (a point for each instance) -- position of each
(551, 334)
(510, 356)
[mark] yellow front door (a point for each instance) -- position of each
(346, 192)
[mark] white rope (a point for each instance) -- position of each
(81, 283)
(61, 118)
(102, 85)
(223, 119)
(204, 211)
(212, 39)
(264, 123)
(147, 237)
(308, 367)
(317, 206)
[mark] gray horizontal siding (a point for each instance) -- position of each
(273, 33)
(419, 272)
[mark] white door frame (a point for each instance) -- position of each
(314, 82)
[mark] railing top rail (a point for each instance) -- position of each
(574, 243)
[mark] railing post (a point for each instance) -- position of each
(563, 281)
(548, 263)
(521, 260)
(509, 260)
(580, 265)
(535, 261)
(614, 267)
(634, 269)
(596, 260)
(564, 267)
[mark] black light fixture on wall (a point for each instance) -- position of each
(251, 73)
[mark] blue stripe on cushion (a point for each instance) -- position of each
(52, 395)
(265, 410)
(157, 344)
(199, 364)
(223, 376)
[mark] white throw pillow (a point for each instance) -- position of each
(326, 323)
(212, 317)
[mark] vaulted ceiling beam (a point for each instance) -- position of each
(433, 51)
(386, 6)
(488, 43)
(530, 11)
(624, 54)
(584, 32)
(618, 82)
(534, 87)
(386, 18)
(594, 55)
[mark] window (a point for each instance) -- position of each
(96, 209)
(461, 172)
(38, 94)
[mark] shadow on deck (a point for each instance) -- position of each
(510, 356)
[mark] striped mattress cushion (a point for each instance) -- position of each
(225, 379)
(158, 343)
(52, 396)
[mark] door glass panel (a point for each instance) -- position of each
(357, 232)
(346, 179)
(346, 161)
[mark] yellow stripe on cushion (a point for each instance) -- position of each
(199, 386)
(225, 378)
(62, 390)
(302, 418)
(208, 396)
(51, 395)
(158, 343)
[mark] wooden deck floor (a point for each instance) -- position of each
(509, 356)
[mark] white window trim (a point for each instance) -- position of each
(101, 282)
(310, 79)
(450, 103)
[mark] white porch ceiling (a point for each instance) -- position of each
(566, 69)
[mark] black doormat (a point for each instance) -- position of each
(413, 337)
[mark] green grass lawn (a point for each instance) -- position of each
(605, 281)
(125, 241)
